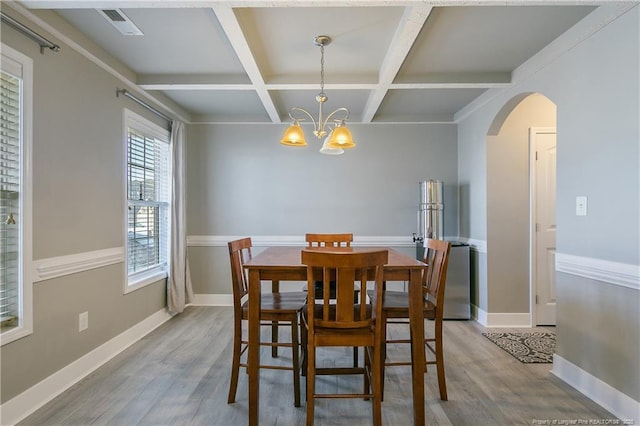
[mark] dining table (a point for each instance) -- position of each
(280, 263)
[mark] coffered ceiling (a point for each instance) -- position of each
(389, 61)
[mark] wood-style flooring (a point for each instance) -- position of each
(179, 375)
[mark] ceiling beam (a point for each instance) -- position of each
(411, 23)
(231, 27)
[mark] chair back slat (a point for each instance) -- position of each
(349, 269)
(329, 240)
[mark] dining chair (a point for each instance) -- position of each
(327, 240)
(280, 309)
(341, 322)
(395, 310)
(335, 241)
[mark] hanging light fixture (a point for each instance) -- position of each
(337, 139)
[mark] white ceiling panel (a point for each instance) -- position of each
(175, 41)
(493, 39)
(431, 105)
(353, 100)
(221, 105)
(283, 39)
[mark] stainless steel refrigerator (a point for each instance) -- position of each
(457, 295)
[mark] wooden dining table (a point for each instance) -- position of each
(279, 263)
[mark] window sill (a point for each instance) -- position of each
(14, 334)
(143, 279)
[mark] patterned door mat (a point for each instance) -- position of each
(529, 348)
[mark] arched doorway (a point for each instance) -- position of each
(515, 277)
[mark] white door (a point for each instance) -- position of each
(543, 142)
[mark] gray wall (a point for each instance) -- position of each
(78, 206)
(508, 205)
(595, 87)
(241, 181)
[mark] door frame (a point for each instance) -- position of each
(532, 218)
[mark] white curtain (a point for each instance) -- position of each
(179, 289)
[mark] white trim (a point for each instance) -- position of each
(619, 404)
(479, 246)
(19, 407)
(212, 300)
(143, 279)
(616, 273)
(54, 267)
(295, 240)
(478, 315)
(501, 320)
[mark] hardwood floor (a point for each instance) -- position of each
(179, 375)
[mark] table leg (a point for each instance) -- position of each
(275, 288)
(253, 357)
(417, 345)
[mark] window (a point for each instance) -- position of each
(148, 200)
(15, 195)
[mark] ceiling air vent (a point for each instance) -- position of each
(118, 19)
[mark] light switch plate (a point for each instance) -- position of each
(83, 321)
(581, 205)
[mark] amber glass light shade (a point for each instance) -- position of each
(293, 136)
(341, 138)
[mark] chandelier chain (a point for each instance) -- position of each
(322, 69)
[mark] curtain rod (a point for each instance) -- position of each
(128, 94)
(43, 42)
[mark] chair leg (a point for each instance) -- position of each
(275, 288)
(368, 371)
(303, 343)
(235, 367)
(311, 383)
(383, 351)
(355, 357)
(295, 347)
(274, 338)
(378, 380)
(442, 384)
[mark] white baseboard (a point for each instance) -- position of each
(19, 407)
(212, 300)
(619, 404)
(504, 320)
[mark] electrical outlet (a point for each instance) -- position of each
(581, 205)
(83, 321)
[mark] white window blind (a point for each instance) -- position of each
(148, 198)
(16, 80)
(10, 166)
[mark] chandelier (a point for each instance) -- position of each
(338, 138)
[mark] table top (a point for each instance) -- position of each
(290, 258)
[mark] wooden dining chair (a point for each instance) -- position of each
(335, 241)
(327, 240)
(279, 309)
(344, 323)
(395, 310)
